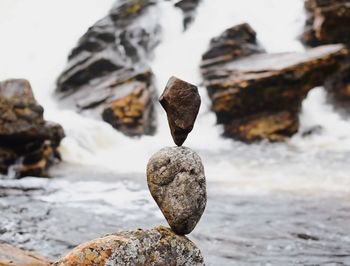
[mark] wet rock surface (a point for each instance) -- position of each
(176, 180)
(28, 143)
(181, 102)
(133, 113)
(328, 22)
(189, 8)
(235, 42)
(158, 246)
(258, 95)
(237, 229)
(12, 256)
(109, 67)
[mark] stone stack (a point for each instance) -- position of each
(175, 175)
(176, 180)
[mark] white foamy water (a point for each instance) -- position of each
(37, 36)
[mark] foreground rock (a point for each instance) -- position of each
(258, 95)
(28, 143)
(328, 22)
(181, 102)
(11, 256)
(108, 71)
(158, 246)
(176, 180)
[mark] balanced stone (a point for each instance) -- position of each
(181, 102)
(158, 246)
(177, 183)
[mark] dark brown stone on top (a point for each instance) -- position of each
(181, 102)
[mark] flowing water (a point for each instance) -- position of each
(269, 204)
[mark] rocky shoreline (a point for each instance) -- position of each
(256, 96)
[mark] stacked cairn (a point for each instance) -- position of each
(175, 175)
(176, 180)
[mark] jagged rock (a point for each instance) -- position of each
(181, 102)
(130, 113)
(28, 143)
(338, 86)
(189, 9)
(258, 96)
(328, 22)
(158, 246)
(110, 63)
(12, 256)
(176, 180)
(233, 43)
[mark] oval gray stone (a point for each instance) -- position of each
(176, 180)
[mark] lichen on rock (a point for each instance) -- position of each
(157, 246)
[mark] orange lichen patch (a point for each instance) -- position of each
(131, 113)
(130, 108)
(158, 246)
(95, 252)
(12, 256)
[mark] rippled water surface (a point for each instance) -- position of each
(269, 204)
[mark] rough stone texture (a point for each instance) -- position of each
(12, 256)
(110, 63)
(130, 113)
(338, 87)
(265, 125)
(258, 95)
(233, 43)
(181, 102)
(189, 9)
(158, 246)
(28, 143)
(176, 180)
(328, 22)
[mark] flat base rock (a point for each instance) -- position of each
(158, 246)
(12, 256)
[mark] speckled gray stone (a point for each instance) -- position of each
(158, 246)
(176, 180)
